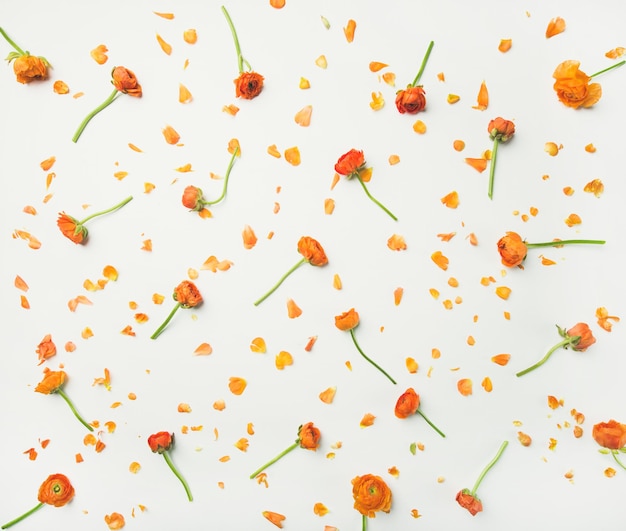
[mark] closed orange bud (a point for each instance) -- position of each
(347, 320)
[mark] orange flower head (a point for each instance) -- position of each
(56, 490)
(125, 81)
(371, 494)
(71, 229)
(583, 331)
(350, 163)
(187, 294)
(29, 68)
(312, 251)
(248, 85)
(46, 349)
(407, 404)
(512, 249)
(309, 436)
(572, 86)
(161, 442)
(501, 129)
(347, 320)
(51, 383)
(412, 100)
(611, 434)
(193, 198)
(469, 502)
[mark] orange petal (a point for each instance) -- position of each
(464, 386)
(304, 83)
(48, 163)
(242, 444)
(135, 148)
(184, 96)
(164, 45)
(329, 206)
(110, 273)
(367, 420)
(349, 30)
(458, 145)
(275, 518)
(293, 310)
(249, 238)
(98, 54)
(393, 160)
(596, 187)
(486, 384)
(337, 282)
(320, 509)
(453, 98)
(451, 200)
(168, 16)
(480, 165)
(283, 359)
(446, 237)
(258, 345)
(411, 365)
(375, 66)
(292, 156)
(396, 243)
(20, 284)
(170, 134)
(389, 78)
(303, 116)
(555, 26)
(277, 4)
(503, 292)
(230, 109)
(439, 259)
(419, 127)
(615, 52)
(378, 102)
(60, 87)
(309, 346)
(190, 36)
(273, 151)
(321, 61)
(204, 349)
(573, 219)
(233, 144)
(134, 467)
(505, 45)
(328, 395)
(482, 100)
(184, 408)
(237, 385)
(501, 359)
(397, 296)
(24, 302)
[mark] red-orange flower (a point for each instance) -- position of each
(501, 129)
(51, 382)
(125, 81)
(411, 100)
(469, 502)
(611, 434)
(582, 331)
(371, 494)
(347, 320)
(193, 198)
(350, 163)
(248, 85)
(187, 294)
(312, 251)
(71, 228)
(573, 87)
(309, 436)
(512, 249)
(29, 68)
(56, 490)
(161, 442)
(407, 404)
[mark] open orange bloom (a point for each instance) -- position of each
(51, 383)
(71, 229)
(411, 100)
(125, 81)
(56, 490)
(371, 494)
(512, 249)
(347, 320)
(407, 404)
(309, 436)
(469, 502)
(611, 434)
(29, 68)
(312, 251)
(573, 87)
(187, 294)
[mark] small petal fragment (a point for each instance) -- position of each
(184, 96)
(367, 420)
(396, 243)
(293, 310)
(303, 116)
(204, 349)
(451, 200)
(283, 359)
(501, 359)
(464, 386)
(378, 102)
(170, 134)
(258, 345)
(440, 260)
(292, 156)
(249, 238)
(99, 54)
(190, 36)
(237, 385)
(482, 100)
(275, 518)
(505, 45)
(375, 66)
(555, 26)
(60, 87)
(349, 30)
(327, 396)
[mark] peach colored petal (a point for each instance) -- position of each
(147, 245)
(204, 349)
(464, 386)
(554, 402)
(590, 148)
(48, 163)
(242, 444)
(378, 102)
(453, 98)
(237, 385)
(303, 116)
(110, 273)
(389, 78)
(440, 260)
(273, 151)
(337, 281)
(329, 206)
(396, 243)
(70, 347)
(249, 238)
(393, 160)
(24, 302)
(501, 359)
(446, 237)
(275, 518)
(110, 426)
(451, 200)
(482, 100)
(555, 26)
(328, 395)
(375, 66)
(480, 165)
(573, 219)
(505, 45)
(190, 36)
(349, 30)
(411, 365)
(293, 310)
(292, 156)
(60, 87)
(170, 134)
(258, 345)
(551, 149)
(135, 148)
(134, 467)
(20, 284)
(320, 509)
(366, 174)
(28, 209)
(367, 420)
(595, 187)
(184, 408)
(615, 52)
(233, 144)
(167, 48)
(283, 359)
(99, 54)
(184, 96)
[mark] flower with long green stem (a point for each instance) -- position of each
(27, 67)
(611, 436)
(574, 88)
(308, 438)
(351, 164)
(371, 494)
(412, 99)
(500, 131)
(348, 321)
(312, 253)
(467, 498)
(186, 295)
(579, 338)
(52, 383)
(193, 198)
(56, 490)
(408, 404)
(125, 82)
(249, 84)
(513, 249)
(161, 443)
(75, 230)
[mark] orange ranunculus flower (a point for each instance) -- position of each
(192, 198)
(347, 320)
(469, 502)
(407, 404)
(161, 442)
(125, 81)
(611, 434)
(51, 383)
(412, 100)
(56, 490)
(572, 86)
(187, 294)
(248, 85)
(512, 249)
(71, 229)
(583, 331)
(371, 494)
(350, 163)
(501, 129)
(28, 68)
(312, 251)
(46, 349)
(309, 436)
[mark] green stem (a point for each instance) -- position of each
(492, 167)
(488, 467)
(158, 331)
(563, 343)
(177, 474)
(424, 61)
(236, 39)
(119, 205)
(12, 43)
(431, 424)
(607, 69)
(364, 524)
(28, 513)
(373, 199)
(368, 359)
(614, 453)
(87, 119)
(563, 242)
(76, 414)
(280, 281)
(230, 167)
(272, 461)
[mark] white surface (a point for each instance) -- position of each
(527, 488)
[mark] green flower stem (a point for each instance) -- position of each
(240, 59)
(607, 69)
(119, 205)
(76, 414)
(424, 61)
(17, 48)
(230, 167)
(368, 359)
(563, 242)
(281, 280)
(567, 341)
(28, 513)
(272, 461)
(158, 331)
(488, 468)
(431, 424)
(168, 460)
(88, 118)
(614, 453)
(492, 167)
(364, 524)
(373, 199)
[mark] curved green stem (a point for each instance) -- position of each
(614, 453)
(158, 331)
(272, 461)
(488, 467)
(368, 359)
(492, 167)
(373, 199)
(431, 424)
(424, 61)
(28, 513)
(563, 242)
(177, 474)
(364, 523)
(12, 43)
(607, 69)
(240, 58)
(563, 343)
(76, 414)
(119, 205)
(87, 119)
(230, 167)
(280, 281)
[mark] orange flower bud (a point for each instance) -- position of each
(407, 404)
(309, 436)
(371, 494)
(501, 129)
(412, 100)
(347, 320)
(469, 502)
(248, 85)
(56, 490)
(583, 331)
(161, 442)
(512, 249)
(572, 86)
(312, 251)
(350, 163)
(193, 198)
(125, 81)
(611, 434)
(187, 294)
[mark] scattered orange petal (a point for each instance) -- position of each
(168, 16)
(48, 163)
(32, 454)
(554, 402)
(303, 116)
(184, 96)
(337, 282)
(275, 518)
(213, 264)
(70, 347)
(604, 318)
(60, 87)
(453, 98)
(283, 359)
(242, 444)
(249, 238)
(555, 26)
(464, 386)
(396, 243)
(321, 61)
(590, 148)
(419, 127)
(293, 310)
(106, 381)
(348, 31)
(389, 78)
(134, 467)
(609, 472)
(20, 284)
(487, 384)
(292, 156)
(204, 349)
(190, 36)
(458, 145)
(164, 45)
(505, 45)
(434, 293)
(78, 95)
(482, 100)
(135, 148)
(258, 345)
(309, 346)
(480, 165)
(33, 242)
(411, 365)
(304, 84)
(573, 219)
(219, 405)
(393, 160)
(320, 509)
(170, 134)
(451, 200)
(28, 209)
(328, 395)
(184, 408)
(237, 385)
(524, 439)
(115, 521)
(397, 296)
(551, 149)
(99, 54)
(501, 359)
(378, 102)
(375, 66)
(547, 262)
(441, 77)
(329, 206)
(615, 52)
(24, 302)
(367, 420)
(366, 174)
(273, 151)
(110, 426)
(78, 458)
(230, 109)
(439, 259)
(595, 187)
(503, 292)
